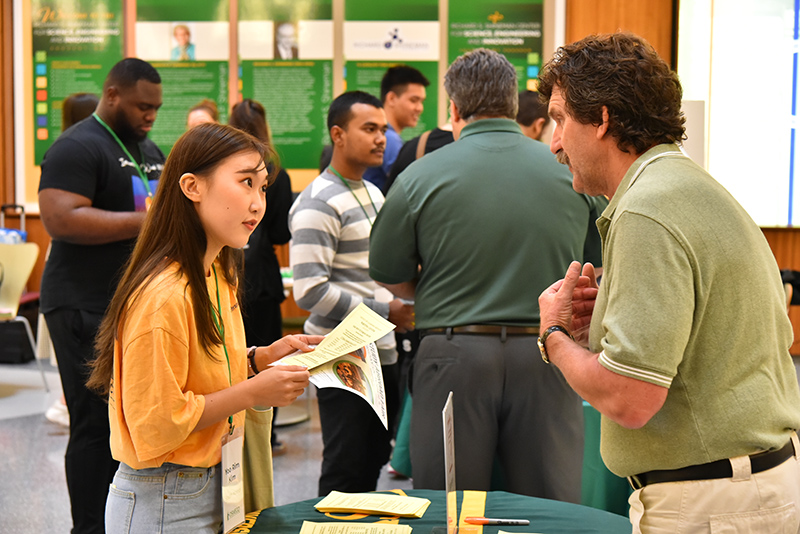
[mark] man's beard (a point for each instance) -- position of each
(562, 158)
(125, 131)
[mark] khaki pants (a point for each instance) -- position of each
(766, 502)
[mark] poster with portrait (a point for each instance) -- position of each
(286, 64)
(379, 35)
(188, 43)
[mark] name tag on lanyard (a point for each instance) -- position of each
(232, 483)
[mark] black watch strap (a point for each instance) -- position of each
(251, 357)
(543, 339)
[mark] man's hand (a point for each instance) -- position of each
(584, 297)
(401, 315)
(555, 302)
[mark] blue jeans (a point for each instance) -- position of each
(170, 498)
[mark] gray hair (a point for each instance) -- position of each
(483, 83)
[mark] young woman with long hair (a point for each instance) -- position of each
(171, 351)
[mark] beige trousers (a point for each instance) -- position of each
(763, 503)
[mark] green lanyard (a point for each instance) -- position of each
(220, 326)
(334, 171)
(145, 182)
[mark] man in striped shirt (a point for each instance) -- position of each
(330, 223)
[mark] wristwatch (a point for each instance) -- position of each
(251, 357)
(543, 338)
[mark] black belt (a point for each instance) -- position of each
(759, 462)
(484, 329)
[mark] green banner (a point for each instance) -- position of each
(75, 44)
(380, 35)
(513, 28)
(286, 64)
(285, 10)
(184, 84)
(187, 43)
(168, 10)
(367, 75)
(296, 95)
(404, 10)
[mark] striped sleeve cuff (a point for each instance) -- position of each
(634, 372)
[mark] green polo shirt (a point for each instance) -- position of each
(492, 220)
(691, 299)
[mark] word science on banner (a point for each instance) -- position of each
(74, 45)
(512, 28)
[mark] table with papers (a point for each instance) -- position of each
(546, 516)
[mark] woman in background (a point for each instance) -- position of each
(263, 287)
(201, 113)
(75, 108)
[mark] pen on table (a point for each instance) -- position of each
(499, 522)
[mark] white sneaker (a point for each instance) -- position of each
(58, 414)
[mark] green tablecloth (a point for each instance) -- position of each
(601, 488)
(549, 517)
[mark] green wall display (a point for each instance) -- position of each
(184, 84)
(286, 64)
(191, 70)
(296, 95)
(75, 44)
(381, 35)
(512, 27)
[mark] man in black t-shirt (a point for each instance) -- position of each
(97, 181)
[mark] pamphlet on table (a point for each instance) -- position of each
(373, 503)
(310, 527)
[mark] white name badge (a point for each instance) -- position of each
(232, 483)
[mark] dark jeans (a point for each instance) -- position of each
(89, 465)
(355, 444)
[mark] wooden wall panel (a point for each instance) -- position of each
(651, 19)
(6, 103)
(785, 245)
(293, 315)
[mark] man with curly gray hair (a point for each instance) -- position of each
(684, 347)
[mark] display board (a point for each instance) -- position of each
(512, 27)
(285, 58)
(188, 43)
(75, 44)
(380, 35)
(286, 64)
